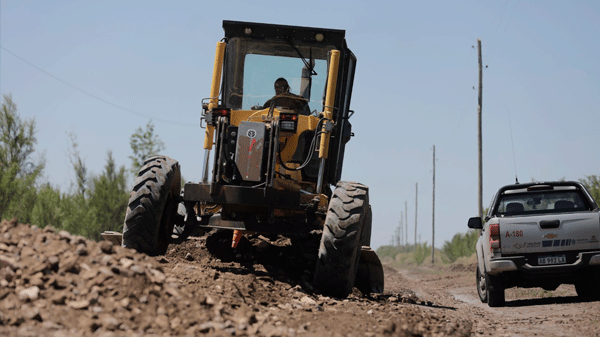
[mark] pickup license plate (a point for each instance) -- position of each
(553, 259)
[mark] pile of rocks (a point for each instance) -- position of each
(59, 282)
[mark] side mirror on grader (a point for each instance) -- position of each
(277, 124)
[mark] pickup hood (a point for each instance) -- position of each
(549, 233)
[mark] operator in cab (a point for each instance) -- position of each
(284, 98)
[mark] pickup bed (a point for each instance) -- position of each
(538, 235)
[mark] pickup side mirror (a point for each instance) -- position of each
(475, 223)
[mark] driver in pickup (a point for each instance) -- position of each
(284, 98)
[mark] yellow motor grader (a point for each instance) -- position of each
(277, 123)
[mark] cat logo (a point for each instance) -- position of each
(550, 236)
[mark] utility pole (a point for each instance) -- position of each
(401, 229)
(416, 209)
(479, 106)
(433, 214)
(406, 220)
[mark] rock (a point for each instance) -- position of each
(106, 247)
(86, 275)
(156, 276)
(81, 250)
(126, 263)
(31, 313)
(65, 235)
(29, 294)
(70, 265)
(6, 261)
(109, 322)
(27, 252)
(36, 280)
(53, 263)
(106, 271)
(82, 304)
(58, 298)
(136, 268)
(107, 260)
(78, 240)
(308, 300)
(189, 257)
(6, 274)
(262, 246)
(49, 229)
(162, 321)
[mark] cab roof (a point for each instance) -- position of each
(335, 37)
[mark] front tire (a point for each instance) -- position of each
(152, 206)
(339, 250)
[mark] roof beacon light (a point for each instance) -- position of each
(248, 31)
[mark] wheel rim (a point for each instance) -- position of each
(481, 286)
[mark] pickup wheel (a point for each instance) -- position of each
(495, 298)
(481, 286)
(588, 289)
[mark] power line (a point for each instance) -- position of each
(139, 114)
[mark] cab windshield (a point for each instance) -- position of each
(253, 66)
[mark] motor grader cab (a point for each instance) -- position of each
(271, 155)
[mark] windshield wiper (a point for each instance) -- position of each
(308, 65)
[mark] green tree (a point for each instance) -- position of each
(421, 252)
(108, 199)
(592, 183)
(18, 170)
(81, 172)
(144, 143)
(47, 210)
(461, 245)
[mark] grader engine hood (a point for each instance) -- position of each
(249, 154)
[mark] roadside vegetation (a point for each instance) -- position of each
(95, 202)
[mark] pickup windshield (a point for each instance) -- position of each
(541, 202)
(252, 67)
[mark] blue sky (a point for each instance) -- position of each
(413, 89)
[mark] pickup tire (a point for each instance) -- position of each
(339, 250)
(495, 297)
(152, 208)
(588, 288)
(481, 286)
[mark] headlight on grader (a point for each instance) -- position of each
(288, 123)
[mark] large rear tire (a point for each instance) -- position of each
(339, 251)
(152, 206)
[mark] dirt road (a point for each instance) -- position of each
(56, 284)
(528, 312)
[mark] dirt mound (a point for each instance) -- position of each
(471, 267)
(57, 284)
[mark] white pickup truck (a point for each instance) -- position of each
(538, 235)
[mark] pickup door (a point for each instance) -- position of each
(576, 231)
